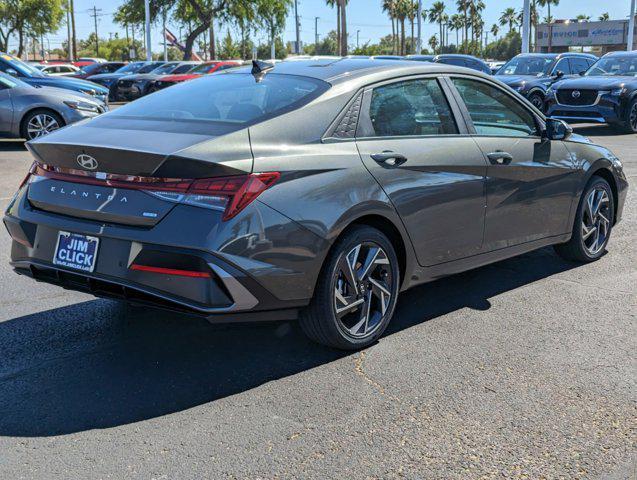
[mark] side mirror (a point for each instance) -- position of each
(557, 129)
(12, 72)
(559, 74)
(581, 74)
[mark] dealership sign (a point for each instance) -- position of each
(613, 32)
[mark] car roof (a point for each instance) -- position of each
(342, 70)
(632, 53)
(457, 55)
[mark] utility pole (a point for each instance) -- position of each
(419, 16)
(316, 36)
(73, 48)
(69, 47)
(95, 14)
(631, 27)
(526, 25)
(298, 30)
(149, 47)
(164, 35)
(358, 32)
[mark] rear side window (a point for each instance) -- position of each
(413, 107)
(493, 112)
(229, 98)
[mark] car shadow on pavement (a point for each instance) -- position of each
(601, 130)
(139, 367)
(16, 145)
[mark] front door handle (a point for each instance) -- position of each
(500, 158)
(389, 158)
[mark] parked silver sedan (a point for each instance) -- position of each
(29, 112)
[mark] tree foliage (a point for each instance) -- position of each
(28, 18)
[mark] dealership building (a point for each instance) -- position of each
(596, 37)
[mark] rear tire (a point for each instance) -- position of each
(356, 292)
(593, 223)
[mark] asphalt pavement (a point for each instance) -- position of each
(522, 369)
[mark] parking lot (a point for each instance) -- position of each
(525, 368)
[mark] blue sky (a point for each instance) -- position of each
(363, 15)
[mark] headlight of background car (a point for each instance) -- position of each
(82, 106)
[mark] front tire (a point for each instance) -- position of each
(39, 123)
(356, 293)
(593, 223)
(630, 124)
(537, 100)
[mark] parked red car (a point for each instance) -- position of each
(203, 69)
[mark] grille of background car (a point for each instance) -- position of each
(586, 97)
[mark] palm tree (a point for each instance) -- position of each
(495, 30)
(463, 6)
(583, 18)
(389, 7)
(412, 12)
(509, 17)
(549, 18)
(337, 4)
(436, 15)
(402, 10)
(475, 9)
(604, 17)
(343, 27)
(456, 23)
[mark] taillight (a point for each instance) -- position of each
(229, 194)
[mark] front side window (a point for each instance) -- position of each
(413, 107)
(493, 112)
(562, 66)
(579, 65)
(229, 98)
(183, 68)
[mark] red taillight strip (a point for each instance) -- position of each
(170, 271)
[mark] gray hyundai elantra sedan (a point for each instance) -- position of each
(315, 190)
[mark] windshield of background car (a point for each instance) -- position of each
(537, 66)
(227, 98)
(130, 68)
(614, 66)
(21, 67)
(7, 81)
(90, 68)
(163, 69)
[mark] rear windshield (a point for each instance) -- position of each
(230, 98)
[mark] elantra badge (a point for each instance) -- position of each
(576, 94)
(86, 161)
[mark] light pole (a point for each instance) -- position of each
(316, 37)
(149, 52)
(358, 32)
(298, 30)
(631, 26)
(526, 25)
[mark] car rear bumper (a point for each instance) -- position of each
(244, 275)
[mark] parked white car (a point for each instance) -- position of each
(58, 70)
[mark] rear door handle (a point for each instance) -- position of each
(500, 158)
(389, 158)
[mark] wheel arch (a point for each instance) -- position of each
(43, 108)
(601, 170)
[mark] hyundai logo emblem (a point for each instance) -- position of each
(576, 94)
(86, 161)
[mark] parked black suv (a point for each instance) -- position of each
(606, 93)
(531, 74)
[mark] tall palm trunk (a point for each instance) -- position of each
(73, 33)
(343, 28)
(466, 28)
(412, 44)
(402, 36)
(338, 27)
(393, 35)
(213, 46)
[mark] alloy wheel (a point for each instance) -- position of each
(40, 125)
(596, 220)
(363, 289)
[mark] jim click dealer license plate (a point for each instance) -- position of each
(76, 251)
